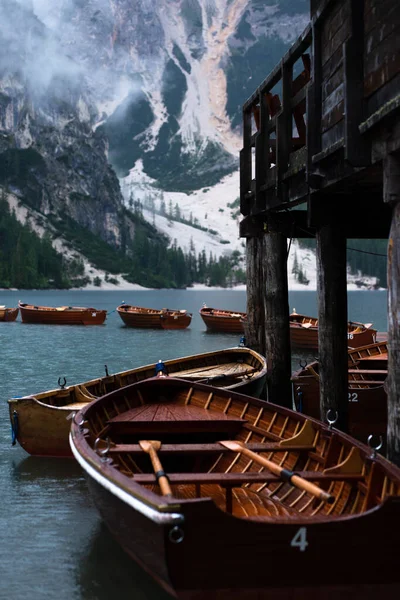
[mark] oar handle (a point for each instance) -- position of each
(289, 476)
(160, 474)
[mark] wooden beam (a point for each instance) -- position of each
(391, 191)
(277, 322)
(357, 151)
(332, 316)
(209, 448)
(255, 277)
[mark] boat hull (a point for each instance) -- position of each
(68, 316)
(154, 319)
(42, 429)
(302, 337)
(252, 557)
(367, 406)
(224, 323)
(8, 314)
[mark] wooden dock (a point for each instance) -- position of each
(321, 158)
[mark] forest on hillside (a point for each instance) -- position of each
(28, 261)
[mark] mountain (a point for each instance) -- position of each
(105, 105)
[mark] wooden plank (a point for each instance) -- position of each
(357, 150)
(230, 479)
(231, 426)
(381, 12)
(333, 38)
(333, 116)
(381, 30)
(381, 76)
(208, 448)
(333, 82)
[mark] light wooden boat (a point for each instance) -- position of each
(39, 422)
(213, 491)
(366, 396)
(137, 316)
(370, 356)
(227, 321)
(304, 332)
(8, 314)
(61, 315)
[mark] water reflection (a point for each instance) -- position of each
(106, 571)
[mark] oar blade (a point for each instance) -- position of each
(232, 445)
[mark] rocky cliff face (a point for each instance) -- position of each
(50, 155)
(155, 82)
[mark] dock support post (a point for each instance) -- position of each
(332, 317)
(277, 320)
(255, 277)
(391, 194)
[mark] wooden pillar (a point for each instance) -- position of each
(255, 326)
(332, 315)
(277, 319)
(391, 193)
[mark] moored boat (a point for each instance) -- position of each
(8, 314)
(39, 422)
(61, 315)
(304, 332)
(165, 318)
(212, 491)
(227, 321)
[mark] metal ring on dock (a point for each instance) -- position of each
(336, 416)
(302, 363)
(176, 535)
(377, 447)
(104, 451)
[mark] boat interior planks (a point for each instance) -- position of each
(278, 488)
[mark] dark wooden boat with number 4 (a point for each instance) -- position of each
(304, 332)
(165, 318)
(39, 422)
(61, 315)
(8, 314)
(227, 321)
(218, 494)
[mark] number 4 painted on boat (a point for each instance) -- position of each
(300, 539)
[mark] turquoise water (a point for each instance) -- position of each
(53, 542)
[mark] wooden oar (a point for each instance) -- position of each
(284, 474)
(151, 447)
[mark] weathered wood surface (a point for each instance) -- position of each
(332, 319)
(255, 324)
(277, 322)
(392, 195)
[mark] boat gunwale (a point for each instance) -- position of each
(168, 363)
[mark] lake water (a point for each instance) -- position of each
(53, 544)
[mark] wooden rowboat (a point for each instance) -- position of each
(215, 492)
(8, 314)
(61, 315)
(228, 321)
(304, 332)
(39, 422)
(137, 316)
(366, 396)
